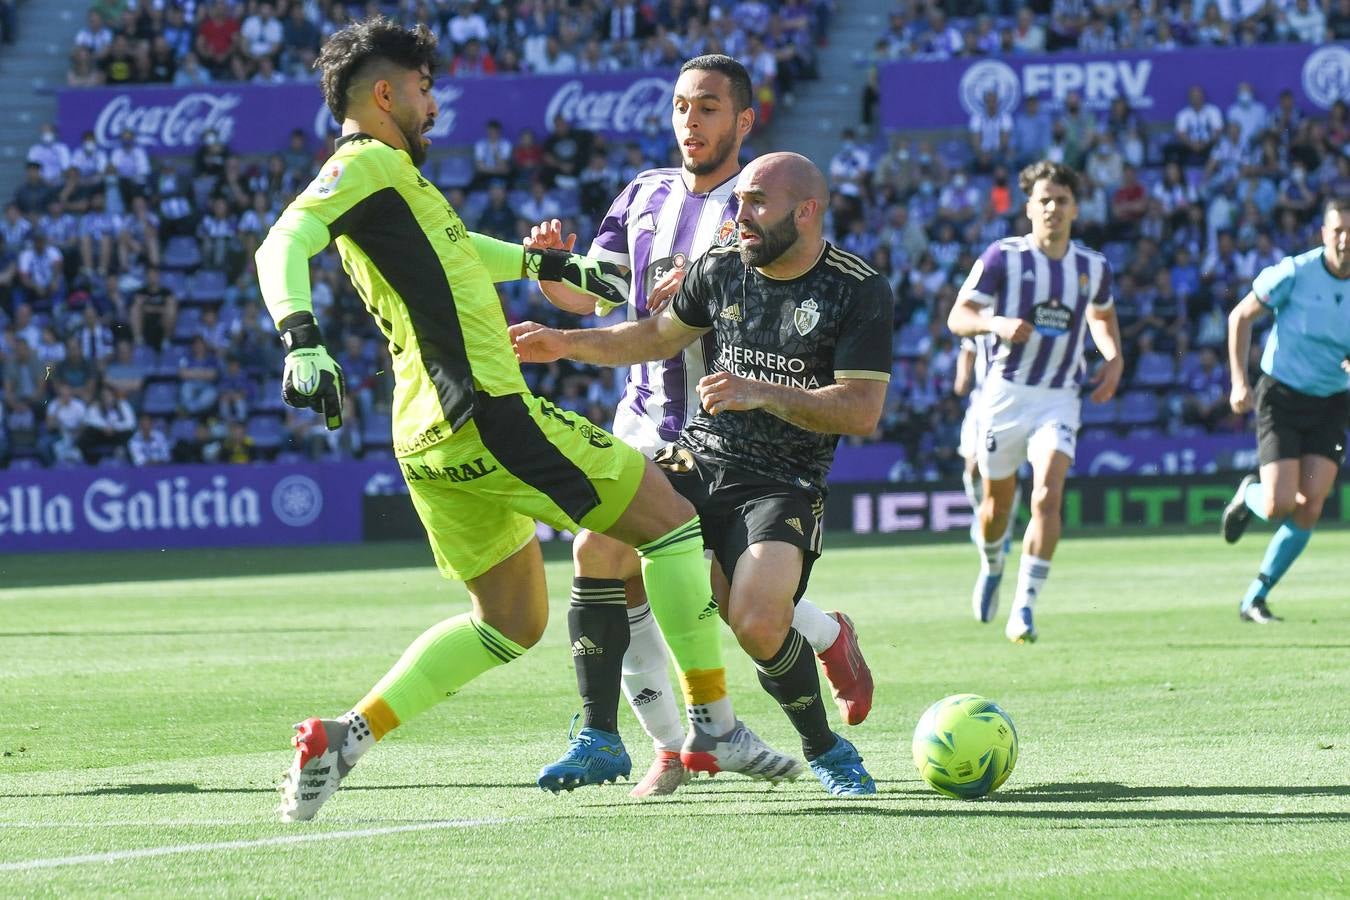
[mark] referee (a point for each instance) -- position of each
(1301, 400)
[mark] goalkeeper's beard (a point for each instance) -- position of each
(412, 135)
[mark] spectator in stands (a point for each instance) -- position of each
(24, 376)
(118, 67)
(131, 164)
(95, 37)
(554, 60)
(94, 336)
(217, 40)
(566, 150)
(32, 195)
(51, 155)
(125, 372)
(238, 448)
(491, 157)
(98, 234)
(198, 372)
(1098, 37)
(76, 370)
(65, 416)
(1197, 126)
(108, 424)
(154, 312)
(89, 161)
(138, 239)
(1248, 113)
(148, 446)
(299, 34)
(539, 206)
(191, 73)
(473, 61)
(63, 231)
(1305, 22)
(1296, 195)
(216, 235)
(1027, 35)
(1031, 131)
(83, 71)
(990, 133)
(41, 272)
(49, 349)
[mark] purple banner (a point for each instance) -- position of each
(918, 95)
(186, 506)
(259, 119)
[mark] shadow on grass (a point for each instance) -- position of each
(187, 787)
(1112, 792)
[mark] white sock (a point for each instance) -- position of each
(816, 625)
(358, 740)
(991, 558)
(1031, 574)
(646, 681)
(716, 718)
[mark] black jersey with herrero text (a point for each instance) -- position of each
(832, 323)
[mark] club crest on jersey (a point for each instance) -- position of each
(726, 234)
(806, 316)
(327, 180)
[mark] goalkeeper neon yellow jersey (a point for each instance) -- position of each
(412, 261)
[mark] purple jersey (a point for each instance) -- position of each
(1012, 278)
(655, 225)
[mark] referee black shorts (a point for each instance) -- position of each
(739, 508)
(1291, 424)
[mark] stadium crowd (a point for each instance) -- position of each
(133, 330)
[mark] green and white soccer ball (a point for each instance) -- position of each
(965, 746)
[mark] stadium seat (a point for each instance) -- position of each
(455, 171)
(206, 286)
(174, 281)
(909, 339)
(183, 429)
(269, 398)
(266, 431)
(1139, 408)
(1155, 370)
(1096, 433)
(181, 252)
(1107, 413)
(378, 430)
(189, 319)
(161, 398)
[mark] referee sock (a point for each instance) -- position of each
(443, 659)
(675, 575)
(1285, 547)
(789, 676)
(1255, 498)
(597, 627)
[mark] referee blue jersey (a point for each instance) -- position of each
(1311, 336)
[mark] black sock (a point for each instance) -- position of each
(597, 624)
(790, 678)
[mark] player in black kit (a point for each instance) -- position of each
(802, 332)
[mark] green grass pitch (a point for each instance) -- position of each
(1166, 748)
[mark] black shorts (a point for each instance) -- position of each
(739, 508)
(1291, 424)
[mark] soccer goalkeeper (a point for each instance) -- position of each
(483, 458)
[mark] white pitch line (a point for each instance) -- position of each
(280, 840)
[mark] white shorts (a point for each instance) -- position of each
(1018, 422)
(637, 431)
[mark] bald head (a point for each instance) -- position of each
(791, 173)
(783, 197)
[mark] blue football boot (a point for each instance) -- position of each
(592, 757)
(984, 599)
(841, 771)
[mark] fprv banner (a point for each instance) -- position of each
(260, 118)
(944, 94)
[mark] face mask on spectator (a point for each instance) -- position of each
(1244, 96)
(90, 146)
(48, 137)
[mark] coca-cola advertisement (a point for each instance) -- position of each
(259, 119)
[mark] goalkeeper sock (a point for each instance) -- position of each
(443, 659)
(819, 628)
(597, 625)
(675, 575)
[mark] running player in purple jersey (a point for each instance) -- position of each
(662, 222)
(1036, 296)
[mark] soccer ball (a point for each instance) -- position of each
(965, 746)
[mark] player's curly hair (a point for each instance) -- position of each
(347, 53)
(1057, 173)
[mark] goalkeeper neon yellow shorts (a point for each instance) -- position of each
(479, 491)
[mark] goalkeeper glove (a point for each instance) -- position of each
(602, 280)
(311, 379)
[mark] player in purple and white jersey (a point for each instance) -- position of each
(1036, 296)
(657, 226)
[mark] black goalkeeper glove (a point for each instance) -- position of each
(311, 379)
(602, 280)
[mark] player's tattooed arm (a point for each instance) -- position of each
(850, 406)
(549, 236)
(659, 337)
